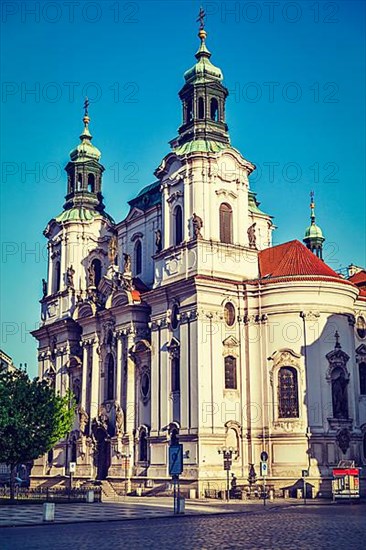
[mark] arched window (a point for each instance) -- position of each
(138, 257)
(79, 183)
(288, 393)
(226, 223)
(110, 377)
(57, 277)
(143, 446)
(175, 364)
(174, 318)
(178, 225)
(339, 393)
(361, 327)
(97, 267)
(189, 110)
(91, 183)
(362, 373)
(230, 373)
(201, 108)
(214, 108)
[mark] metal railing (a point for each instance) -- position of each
(50, 494)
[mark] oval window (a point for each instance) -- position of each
(361, 327)
(145, 384)
(229, 314)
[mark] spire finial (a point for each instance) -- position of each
(201, 20)
(337, 344)
(312, 207)
(86, 118)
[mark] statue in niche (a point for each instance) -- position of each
(252, 238)
(91, 275)
(70, 277)
(339, 394)
(44, 288)
(127, 264)
(158, 241)
(119, 421)
(112, 249)
(197, 224)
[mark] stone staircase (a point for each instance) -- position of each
(108, 492)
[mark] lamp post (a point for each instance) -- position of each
(126, 456)
(227, 454)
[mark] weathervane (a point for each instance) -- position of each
(201, 18)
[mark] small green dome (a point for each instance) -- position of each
(314, 232)
(85, 150)
(203, 70)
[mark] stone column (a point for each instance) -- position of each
(119, 369)
(130, 389)
(84, 374)
(95, 378)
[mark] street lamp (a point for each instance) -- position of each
(126, 456)
(227, 453)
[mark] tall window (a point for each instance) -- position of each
(339, 393)
(57, 279)
(201, 108)
(226, 223)
(97, 267)
(143, 446)
(79, 183)
(175, 362)
(178, 225)
(189, 110)
(362, 373)
(138, 257)
(91, 183)
(230, 373)
(110, 377)
(214, 109)
(288, 398)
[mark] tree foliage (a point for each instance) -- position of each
(32, 417)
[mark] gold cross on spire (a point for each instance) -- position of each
(201, 18)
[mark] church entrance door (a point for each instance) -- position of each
(103, 454)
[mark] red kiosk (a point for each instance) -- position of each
(346, 480)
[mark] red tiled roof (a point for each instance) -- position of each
(359, 278)
(292, 259)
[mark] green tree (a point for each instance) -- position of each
(32, 419)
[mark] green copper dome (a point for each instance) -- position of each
(85, 150)
(203, 70)
(81, 214)
(314, 232)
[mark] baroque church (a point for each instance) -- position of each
(183, 322)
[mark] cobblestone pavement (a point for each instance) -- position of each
(314, 527)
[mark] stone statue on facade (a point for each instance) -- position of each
(119, 421)
(112, 249)
(44, 288)
(127, 263)
(252, 238)
(70, 272)
(91, 275)
(197, 224)
(158, 241)
(83, 419)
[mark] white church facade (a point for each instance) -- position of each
(183, 321)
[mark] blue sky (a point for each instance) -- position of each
(295, 72)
